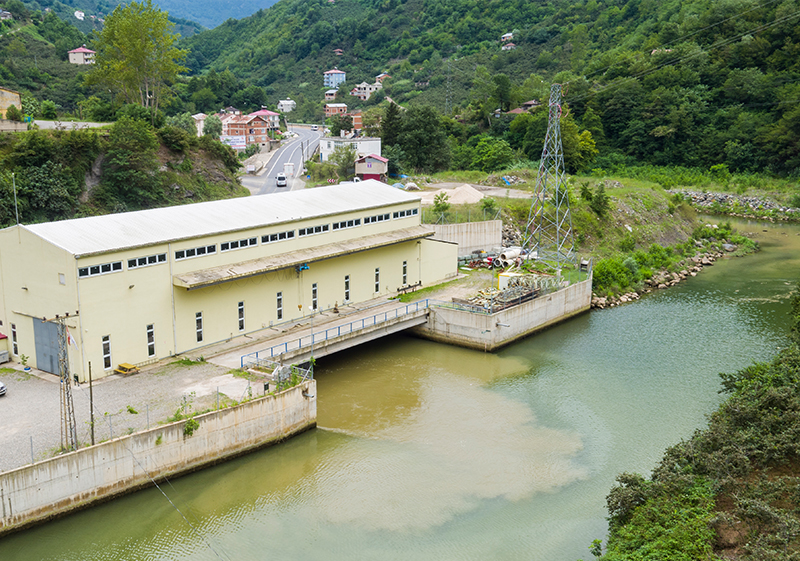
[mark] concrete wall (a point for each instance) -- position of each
(7, 98)
(76, 480)
(471, 236)
(12, 126)
(481, 331)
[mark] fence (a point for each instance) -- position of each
(459, 216)
(306, 341)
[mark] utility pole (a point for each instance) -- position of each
(549, 229)
(69, 433)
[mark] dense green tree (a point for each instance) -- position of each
(13, 113)
(339, 123)
(212, 127)
(136, 54)
(390, 125)
(49, 110)
(183, 121)
(492, 154)
(344, 158)
(423, 141)
(129, 170)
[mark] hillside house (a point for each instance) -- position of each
(286, 105)
(338, 52)
(332, 109)
(381, 77)
(6, 15)
(332, 78)
(372, 167)
(358, 123)
(363, 145)
(363, 91)
(508, 47)
(8, 98)
(506, 37)
(240, 131)
(81, 55)
(330, 95)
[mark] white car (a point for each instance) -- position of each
(314, 127)
(2, 388)
(280, 180)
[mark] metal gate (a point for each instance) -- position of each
(45, 335)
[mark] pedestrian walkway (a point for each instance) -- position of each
(293, 338)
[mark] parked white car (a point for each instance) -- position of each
(2, 388)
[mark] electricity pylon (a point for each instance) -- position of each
(549, 229)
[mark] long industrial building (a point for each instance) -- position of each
(142, 286)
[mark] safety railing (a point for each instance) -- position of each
(308, 341)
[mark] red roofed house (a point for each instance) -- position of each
(372, 167)
(81, 55)
(338, 52)
(332, 78)
(508, 47)
(381, 77)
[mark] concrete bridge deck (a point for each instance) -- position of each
(326, 333)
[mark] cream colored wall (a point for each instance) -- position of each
(121, 305)
(438, 261)
(28, 261)
(219, 303)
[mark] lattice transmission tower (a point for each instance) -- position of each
(549, 229)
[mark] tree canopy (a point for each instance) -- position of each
(136, 55)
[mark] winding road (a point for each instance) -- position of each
(297, 151)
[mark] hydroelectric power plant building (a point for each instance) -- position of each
(142, 286)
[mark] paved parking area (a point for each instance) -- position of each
(30, 414)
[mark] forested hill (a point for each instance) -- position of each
(186, 13)
(668, 82)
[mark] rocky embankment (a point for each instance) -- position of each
(739, 205)
(663, 279)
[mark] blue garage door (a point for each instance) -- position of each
(45, 335)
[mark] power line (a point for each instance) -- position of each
(697, 53)
(157, 486)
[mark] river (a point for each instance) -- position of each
(426, 451)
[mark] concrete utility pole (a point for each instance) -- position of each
(549, 229)
(69, 433)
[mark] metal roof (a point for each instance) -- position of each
(112, 232)
(227, 273)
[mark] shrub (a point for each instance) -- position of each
(174, 138)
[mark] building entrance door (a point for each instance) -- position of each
(45, 336)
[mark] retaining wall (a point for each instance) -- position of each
(491, 331)
(471, 236)
(78, 479)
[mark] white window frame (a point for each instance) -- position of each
(138, 262)
(97, 270)
(107, 362)
(405, 273)
(198, 326)
(14, 345)
(279, 307)
(377, 280)
(347, 288)
(314, 297)
(240, 315)
(192, 252)
(151, 340)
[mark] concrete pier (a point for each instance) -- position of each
(487, 332)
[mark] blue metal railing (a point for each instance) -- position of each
(308, 341)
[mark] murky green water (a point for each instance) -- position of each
(426, 451)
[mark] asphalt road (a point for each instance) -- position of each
(297, 150)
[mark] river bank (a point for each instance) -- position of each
(740, 206)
